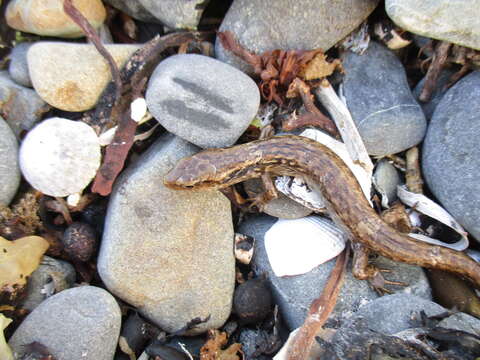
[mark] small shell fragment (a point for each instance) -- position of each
(244, 246)
(297, 246)
(60, 157)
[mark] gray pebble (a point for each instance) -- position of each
(202, 100)
(451, 155)
(386, 179)
(166, 252)
(267, 25)
(387, 116)
(21, 107)
(79, 323)
(282, 207)
(176, 14)
(18, 68)
(51, 277)
(462, 322)
(452, 21)
(9, 169)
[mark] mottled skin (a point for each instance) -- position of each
(323, 170)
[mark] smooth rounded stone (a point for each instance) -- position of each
(386, 179)
(176, 14)
(18, 68)
(437, 94)
(21, 107)
(388, 314)
(9, 168)
(51, 277)
(79, 323)
(267, 25)
(202, 100)
(134, 9)
(387, 115)
(166, 252)
(294, 294)
(452, 21)
(451, 155)
(48, 18)
(71, 76)
(462, 322)
(282, 207)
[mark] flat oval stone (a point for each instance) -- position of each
(387, 115)
(202, 100)
(452, 21)
(79, 323)
(48, 18)
(71, 76)
(9, 168)
(168, 253)
(261, 25)
(451, 155)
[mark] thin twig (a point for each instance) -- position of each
(439, 59)
(92, 35)
(320, 310)
(413, 175)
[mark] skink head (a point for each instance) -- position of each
(191, 172)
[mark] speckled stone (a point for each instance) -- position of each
(71, 76)
(176, 14)
(202, 100)
(48, 18)
(451, 155)
(387, 115)
(168, 253)
(21, 107)
(9, 168)
(262, 25)
(452, 21)
(79, 323)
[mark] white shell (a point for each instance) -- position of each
(297, 246)
(60, 157)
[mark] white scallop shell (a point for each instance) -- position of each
(297, 246)
(60, 157)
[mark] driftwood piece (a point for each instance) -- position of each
(440, 56)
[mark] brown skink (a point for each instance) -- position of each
(325, 172)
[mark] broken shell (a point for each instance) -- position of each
(297, 246)
(60, 157)
(244, 246)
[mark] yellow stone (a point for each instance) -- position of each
(46, 17)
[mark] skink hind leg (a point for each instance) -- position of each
(270, 193)
(363, 270)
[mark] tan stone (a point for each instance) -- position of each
(46, 17)
(72, 77)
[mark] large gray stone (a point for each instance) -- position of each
(18, 67)
(202, 100)
(453, 21)
(133, 8)
(168, 253)
(387, 315)
(294, 294)
(79, 323)
(451, 155)
(21, 107)
(9, 168)
(176, 14)
(388, 117)
(262, 25)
